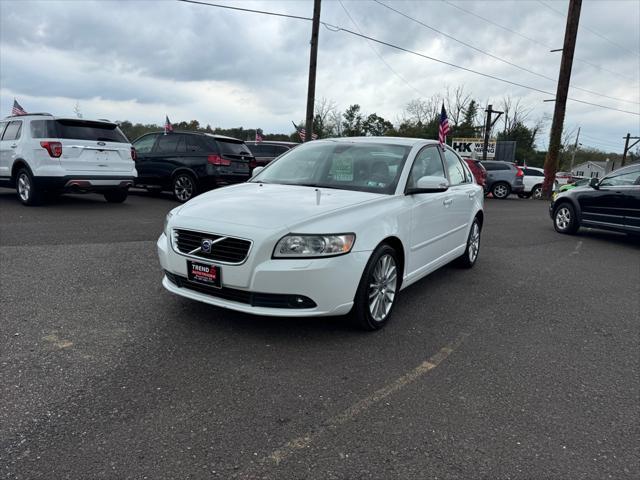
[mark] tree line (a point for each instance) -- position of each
(419, 119)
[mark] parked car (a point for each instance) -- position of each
(503, 179)
(575, 182)
(187, 163)
(612, 203)
(532, 178)
(562, 178)
(268, 150)
(330, 227)
(478, 171)
(41, 154)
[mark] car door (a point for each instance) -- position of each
(632, 217)
(626, 182)
(431, 221)
(8, 145)
(602, 206)
(144, 147)
(462, 191)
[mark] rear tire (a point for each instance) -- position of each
(470, 255)
(536, 193)
(378, 289)
(501, 190)
(25, 187)
(116, 196)
(564, 219)
(184, 187)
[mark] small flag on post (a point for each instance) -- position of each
(168, 128)
(17, 109)
(444, 127)
(302, 133)
(258, 135)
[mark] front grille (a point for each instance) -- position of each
(269, 300)
(225, 249)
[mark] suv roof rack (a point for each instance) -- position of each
(28, 114)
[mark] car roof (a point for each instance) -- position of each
(39, 116)
(271, 142)
(403, 141)
(204, 134)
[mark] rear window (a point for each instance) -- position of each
(233, 148)
(87, 130)
(496, 166)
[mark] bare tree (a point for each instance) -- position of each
(422, 111)
(76, 109)
(514, 113)
(456, 104)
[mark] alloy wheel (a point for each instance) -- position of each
(563, 218)
(474, 242)
(24, 187)
(183, 188)
(382, 287)
(537, 193)
(500, 191)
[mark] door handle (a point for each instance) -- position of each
(14, 145)
(472, 194)
(448, 201)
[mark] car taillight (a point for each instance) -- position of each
(520, 172)
(218, 160)
(54, 148)
(134, 154)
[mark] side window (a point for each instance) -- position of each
(168, 143)
(279, 150)
(182, 145)
(12, 132)
(427, 163)
(2, 125)
(454, 167)
(195, 144)
(628, 178)
(145, 144)
(43, 129)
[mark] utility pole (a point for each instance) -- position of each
(628, 147)
(570, 35)
(313, 58)
(487, 129)
(575, 147)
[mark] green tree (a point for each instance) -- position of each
(352, 125)
(376, 126)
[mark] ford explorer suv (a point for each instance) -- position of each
(41, 154)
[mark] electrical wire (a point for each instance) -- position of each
(335, 28)
(538, 42)
(377, 53)
(554, 80)
(595, 32)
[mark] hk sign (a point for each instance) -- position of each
(472, 147)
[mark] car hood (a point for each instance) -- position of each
(271, 206)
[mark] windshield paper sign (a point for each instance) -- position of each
(467, 147)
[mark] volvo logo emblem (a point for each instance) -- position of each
(102, 144)
(205, 245)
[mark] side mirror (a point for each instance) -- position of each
(256, 171)
(429, 185)
(593, 183)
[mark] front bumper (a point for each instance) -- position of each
(330, 283)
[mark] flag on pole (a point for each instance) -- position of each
(168, 128)
(302, 133)
(444, 127)
(17, 109)
(258, 135)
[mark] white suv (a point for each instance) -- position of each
(41, 153)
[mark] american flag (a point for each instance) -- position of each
(258, 135)
(167, 125)
(303, 134)
(444, 127)
(17, 109)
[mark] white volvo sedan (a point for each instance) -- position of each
(331, 227)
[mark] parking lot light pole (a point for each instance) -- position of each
(313, 57)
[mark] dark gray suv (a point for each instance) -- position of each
(503, 179)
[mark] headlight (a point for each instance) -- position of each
(306, 246)
(166, 223)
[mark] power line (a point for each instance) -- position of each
(538, 42)
(334, 28)
(595, 32)
(591, 92)
(378, 54)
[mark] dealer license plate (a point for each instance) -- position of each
(204, 273)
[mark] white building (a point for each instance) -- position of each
(590, 169)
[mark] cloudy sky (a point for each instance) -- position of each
(140, 60)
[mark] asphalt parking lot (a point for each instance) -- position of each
(525, 367)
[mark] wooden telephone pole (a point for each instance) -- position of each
(487, 129)
(570, 35)
(313, 58)
(628, 147)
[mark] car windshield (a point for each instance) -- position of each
(367, 167)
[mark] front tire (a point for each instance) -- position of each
(536, 193)
(501, 190)
(378, 289)
(564, 219)
(116, 196)
(28, 193)
(183, 187)
(470, 255)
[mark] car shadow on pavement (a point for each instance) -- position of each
(610, 237)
